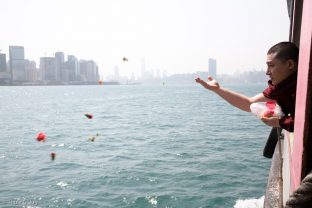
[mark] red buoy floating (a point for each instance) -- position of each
(53, 155)
(89, 116)
(41, 137)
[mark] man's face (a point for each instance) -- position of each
(278, 70)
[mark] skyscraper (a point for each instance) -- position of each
(212, 68)
(116, 76)
(71, 68)
(3, 67)
(59, 62)
(88, 71)
(48, 68)
(5, 76)
(17, 63)
(31, 71)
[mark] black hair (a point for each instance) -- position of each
(285, 51)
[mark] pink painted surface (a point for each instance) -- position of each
(301, 98)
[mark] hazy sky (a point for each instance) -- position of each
(174, 35)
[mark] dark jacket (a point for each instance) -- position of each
(285, 95)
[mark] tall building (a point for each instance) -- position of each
(3, 67)
(48, 68)
(59, 62)
(17, 63)
(71, 69)
(5, 76)
(212, 67)
(31, 71)
(146, 74)
(132, 79)
(116, 75)
(89, 71)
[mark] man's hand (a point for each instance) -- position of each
(271, 121)
(211, 84)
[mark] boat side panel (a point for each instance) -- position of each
(303, 102)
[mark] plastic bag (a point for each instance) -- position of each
(266, 109)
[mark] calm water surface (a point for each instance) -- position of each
(155, 146)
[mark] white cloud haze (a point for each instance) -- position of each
(174, 35)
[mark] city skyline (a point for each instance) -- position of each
(176, 36)
(54, 69)
(57, 70)
(51, 69)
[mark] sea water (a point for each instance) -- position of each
(154, 146)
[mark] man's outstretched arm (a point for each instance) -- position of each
(236, 99)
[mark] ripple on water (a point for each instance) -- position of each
(173, 146)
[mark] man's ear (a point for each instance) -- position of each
(291, 64)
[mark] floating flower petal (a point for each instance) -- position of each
(41, 137)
